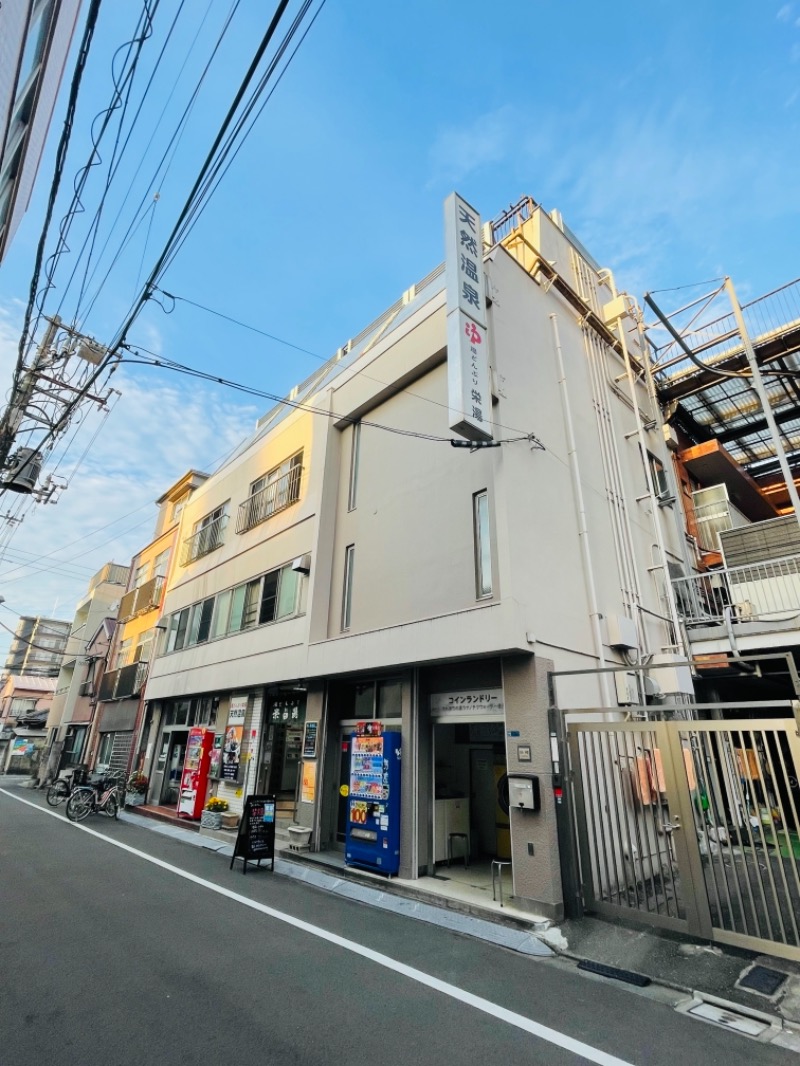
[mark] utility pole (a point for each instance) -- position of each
(45, 398)
(22, 394)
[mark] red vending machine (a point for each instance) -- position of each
(194, 778)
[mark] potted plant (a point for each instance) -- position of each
(136, 789)
(211, 818)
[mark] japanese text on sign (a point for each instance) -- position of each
(469, 393)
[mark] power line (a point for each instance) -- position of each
(172, 146)
(169, 364)
(220, 173)
(212, 161)
(55, 183)
(76, 206)
(187, 207)
(116, 161)
(360, 371)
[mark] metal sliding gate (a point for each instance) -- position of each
(693, 826)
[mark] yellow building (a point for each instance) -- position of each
(122, 686)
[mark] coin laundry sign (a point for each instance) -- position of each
(469, 395)
(452, 704)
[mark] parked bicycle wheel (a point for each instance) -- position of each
(80, 804)
(57, 793)
(111, 807)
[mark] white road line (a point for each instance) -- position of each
(543, 1032)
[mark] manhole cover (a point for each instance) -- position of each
(763, 980)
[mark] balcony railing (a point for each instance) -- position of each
(274, 497)
(766, 592)
(205, 540)
(144, 598)
(122, 683)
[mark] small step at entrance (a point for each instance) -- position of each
(163, 814)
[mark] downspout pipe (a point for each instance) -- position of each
(580, 512)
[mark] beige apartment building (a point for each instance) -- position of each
(349, 565)
(73, 706)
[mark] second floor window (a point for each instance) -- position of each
(271, 493)
(208, 534)
(275, 595)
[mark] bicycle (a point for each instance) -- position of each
(100, 797)
(61, 789)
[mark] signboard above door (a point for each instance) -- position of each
(473, 705)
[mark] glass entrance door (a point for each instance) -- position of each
(173, 743)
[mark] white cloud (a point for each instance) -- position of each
(650, 186)
(159, 429)
(460, 150)
(785, 13)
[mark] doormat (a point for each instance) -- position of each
(762, 980)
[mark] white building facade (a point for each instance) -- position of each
(349, 565)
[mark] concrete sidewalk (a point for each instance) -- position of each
(701, 972)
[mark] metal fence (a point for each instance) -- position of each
(693, 826)
(765, 591)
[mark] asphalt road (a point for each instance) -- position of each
(153, 952)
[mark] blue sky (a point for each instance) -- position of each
(666, 134)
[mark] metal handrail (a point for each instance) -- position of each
(274, 497)
(766, 590)
(205, 540)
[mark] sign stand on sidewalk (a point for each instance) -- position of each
(256, 837)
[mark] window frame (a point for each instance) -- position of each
(347, 587)
(355, 462)
(482, 545)
(235, 609)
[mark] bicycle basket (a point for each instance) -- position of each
(80, 776)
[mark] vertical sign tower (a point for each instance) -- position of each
(469, 394)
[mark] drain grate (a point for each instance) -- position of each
(763, 980)
(614, 972)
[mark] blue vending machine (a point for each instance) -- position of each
(373, 816)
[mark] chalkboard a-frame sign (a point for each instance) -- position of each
(256, 838)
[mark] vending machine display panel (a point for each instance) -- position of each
(373, 823)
